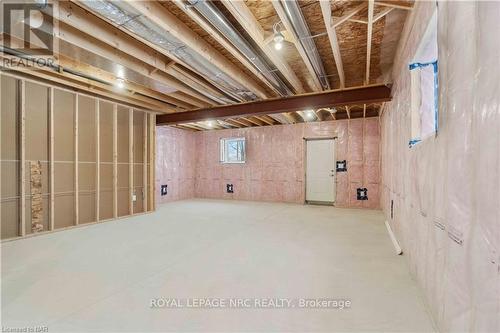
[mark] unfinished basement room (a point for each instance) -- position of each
(250, 166)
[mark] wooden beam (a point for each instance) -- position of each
(247, 20)
(394, 4)
(254, 121)
(97, 160)
(22, 153)
(80, 27)
(160, 16)
(369, 40)
(51, 158)
(214, 33)
(382, 14)
(314, 83)
(350, 96)
(326, 10)
(217, 96)
(84, 84)
(339, 20)
(76, 169)
(115, 160)
(265, 119)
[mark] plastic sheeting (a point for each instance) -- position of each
(445, 190)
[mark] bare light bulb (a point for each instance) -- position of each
(278, 46)
(120, 83)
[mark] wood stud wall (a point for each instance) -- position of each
(26, 191)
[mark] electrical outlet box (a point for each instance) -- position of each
(362, 193)
(134, 197)
(229, 188)
(164, 190)
(341, 166)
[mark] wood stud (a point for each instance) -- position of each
(145, 162)
(22, 153)
(131, 160)
(76, 183)
(97, 160)
(51, 159)
(115, 160)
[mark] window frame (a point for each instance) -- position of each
(426, 56)
(223, 151)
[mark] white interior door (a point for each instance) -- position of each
(320, 170)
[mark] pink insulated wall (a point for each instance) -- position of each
(444, 191)
(175, 152)
(274, 168)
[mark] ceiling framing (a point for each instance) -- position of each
(356, 42)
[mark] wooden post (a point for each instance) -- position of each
(51, 160)
(145, 162)
(22, 166)
(131, 160)
(152, 125)
(97, 160)
(77, 206)
(115, 160)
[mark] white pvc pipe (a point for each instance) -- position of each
(398, 249)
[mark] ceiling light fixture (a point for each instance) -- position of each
(120, 83)
(310, 114)
(278, 37)
(210, 123)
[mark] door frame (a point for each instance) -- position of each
(310, 202)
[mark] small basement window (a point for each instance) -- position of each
(424, 86)
(232, 150)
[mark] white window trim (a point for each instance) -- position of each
(222, 149)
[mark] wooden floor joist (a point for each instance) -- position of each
(351, 96)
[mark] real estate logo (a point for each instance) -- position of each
(27, 34)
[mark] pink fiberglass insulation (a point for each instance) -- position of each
(274, 168)
(175, 163)
(444, 190)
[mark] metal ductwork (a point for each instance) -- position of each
(299, 24)
(123, 15)
(217, 19)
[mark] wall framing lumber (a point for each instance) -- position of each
(97, 160)
(76, 169)
(51, 159)
(22, 155)
(145, 162)
(350, 96)
(115, 161)
(131, 160)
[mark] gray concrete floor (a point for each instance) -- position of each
(103, 277)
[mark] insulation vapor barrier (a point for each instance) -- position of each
(444, 190)
(188, 162)
(122, 14)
